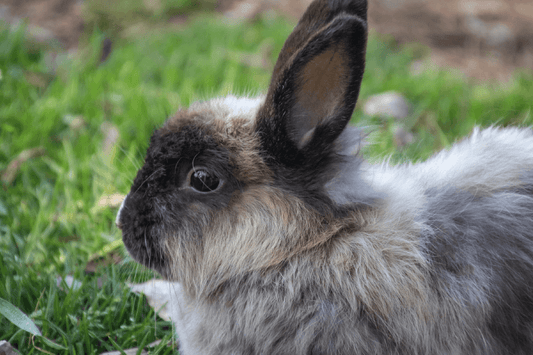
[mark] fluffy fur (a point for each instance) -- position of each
(301, 247)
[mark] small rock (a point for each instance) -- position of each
(476, 26)
(482, 7)
(499, 34)
(7, 349)
(388, 104)
(70, 281)
(493, 34)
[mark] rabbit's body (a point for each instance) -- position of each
(284, 241)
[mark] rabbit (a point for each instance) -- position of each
(280, 239)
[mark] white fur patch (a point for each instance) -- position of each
(232, 107)
(491, 159)
(186, 319)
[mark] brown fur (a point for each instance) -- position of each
(235, 133)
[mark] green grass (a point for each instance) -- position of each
(50, 220)
(127, 16)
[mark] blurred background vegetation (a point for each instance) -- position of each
(76, 116)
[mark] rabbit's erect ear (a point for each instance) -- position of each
(314, 88)
(318, 15)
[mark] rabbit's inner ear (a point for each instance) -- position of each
(320, 91)
(312, 99)
(318, 15)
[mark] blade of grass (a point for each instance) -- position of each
(17, 317)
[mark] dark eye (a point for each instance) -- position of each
(203, 181)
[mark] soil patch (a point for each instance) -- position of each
(60, 19)
(484, 39)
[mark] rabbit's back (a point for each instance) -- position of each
(473, 205)
(479, 248)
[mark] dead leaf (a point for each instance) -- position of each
(111, 201)
(11, 172)
(107, 254)
(74, 122)
(108, 201)
(107, 47)
(131, 351)
(68, 238)
(111, 136)
(40, 80)
(134, 350)
(111, 258)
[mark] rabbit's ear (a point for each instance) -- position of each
(318, 15)
(314, 90)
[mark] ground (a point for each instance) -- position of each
(484, 39)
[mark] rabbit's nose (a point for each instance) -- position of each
(117, 220)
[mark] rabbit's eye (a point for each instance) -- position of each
(203, 181)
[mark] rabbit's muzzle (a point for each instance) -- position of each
(141, 234)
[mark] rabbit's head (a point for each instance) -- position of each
(235, 185)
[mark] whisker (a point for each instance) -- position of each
(148, 178)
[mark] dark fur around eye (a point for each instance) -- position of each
(158, 202)
(171, 155)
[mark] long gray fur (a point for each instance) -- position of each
(280, 239)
